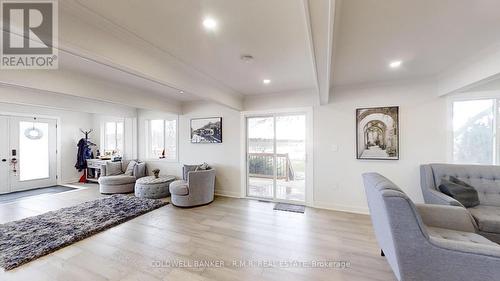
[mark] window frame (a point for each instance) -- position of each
(496, 119)
(104, 138)
(148, 154)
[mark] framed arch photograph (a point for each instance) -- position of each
(377, 133)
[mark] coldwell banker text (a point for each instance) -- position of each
(29, 34)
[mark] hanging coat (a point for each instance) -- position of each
(84, 153)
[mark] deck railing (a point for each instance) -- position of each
(260, 165)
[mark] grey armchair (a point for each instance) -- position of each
(196, 190)
(428, 242)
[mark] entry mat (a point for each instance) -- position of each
(290, 208)
(14, 196)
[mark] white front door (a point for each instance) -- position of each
(4, 155)
(32, 153)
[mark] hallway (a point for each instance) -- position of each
(374, 152)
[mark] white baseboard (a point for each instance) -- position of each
(227, 193)
(70, 181)
(341, 208)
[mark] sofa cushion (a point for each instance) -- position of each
(459, 236)
(129, 171)
(116, 180)
(487, 217)
(140, 170)
(179, 187)
(461, 191)
(113, 168)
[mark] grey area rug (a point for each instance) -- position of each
(14, 196)
(289, 208)
(30, 238)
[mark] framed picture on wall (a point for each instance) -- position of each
(206, 130)
(377, 133)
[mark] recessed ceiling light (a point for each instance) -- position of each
(247, 58)
(181, 92)
(209, 23)
(395, 64)
(266, 81)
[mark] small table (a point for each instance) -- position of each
(153, 188)
(94, 169)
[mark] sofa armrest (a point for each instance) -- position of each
(449, 217)
(437, 197)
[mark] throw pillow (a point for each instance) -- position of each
(204, 166)
(187, 169)
(113, 168)
(465, 194)
(130, 168)
(460, 182)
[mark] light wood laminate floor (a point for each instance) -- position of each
(230, 239)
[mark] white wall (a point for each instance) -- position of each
(337, 172)
(224, 157)
(70, 124)
(74, 114)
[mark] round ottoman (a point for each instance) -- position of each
(153, 188)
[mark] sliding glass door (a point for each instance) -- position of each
(276, 157)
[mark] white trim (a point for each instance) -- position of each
(309, 113)
(116, 120)
(472, 96)
(58, 136)
(226, 193)
(147, 146)
(341, 208)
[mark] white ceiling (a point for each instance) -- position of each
(273, 31)
(428, 35)
(107, 73)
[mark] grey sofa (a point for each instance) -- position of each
(428, 242)
(195, 190)
(485, 179)
(111, 184)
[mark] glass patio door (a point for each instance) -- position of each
(276, 157)
(32, 153)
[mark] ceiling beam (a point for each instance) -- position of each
(320, 15)
(472, 72)
(95, 38)
(75, 84)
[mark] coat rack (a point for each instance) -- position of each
(87, 133)
(83, 178)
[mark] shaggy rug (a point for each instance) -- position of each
(30, 238)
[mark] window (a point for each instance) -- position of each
(474, 131)
(113, 138)
(162, 139)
